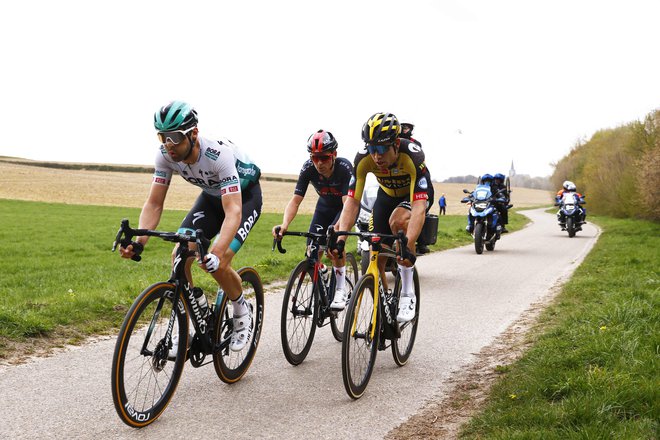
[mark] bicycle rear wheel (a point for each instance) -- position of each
(337, 319)
(299, 314)
(403, 345)
(359, 349)
(231, 366)
(143, 378)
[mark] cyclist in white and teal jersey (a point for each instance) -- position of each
(228, 206)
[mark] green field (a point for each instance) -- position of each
(593, 371)
(61, 280)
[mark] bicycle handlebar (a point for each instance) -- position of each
(125, 236)
(374, 237)
(312, 235)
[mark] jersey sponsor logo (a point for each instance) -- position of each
(211, 153)
(351, 193)
(233, 189)
(198, 216)
(244, 230)
(228, 181)
(414, 147)
(423, 183)
(160, 173)
(420, 196)
(161, 181)
(352, 182)
(245, 169)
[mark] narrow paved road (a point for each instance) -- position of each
(467, 301)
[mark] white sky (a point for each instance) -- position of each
(522, 80)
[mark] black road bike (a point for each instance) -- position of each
(144, 372)
(307, 298)
(370, 324)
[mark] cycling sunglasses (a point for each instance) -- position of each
(173, 137)
(380, 149)
(316, 158)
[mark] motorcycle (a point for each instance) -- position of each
(485, 228)
(571, 214)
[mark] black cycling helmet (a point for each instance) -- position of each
(381, 128)
(177, 115)
(321, 142)
(406, 130)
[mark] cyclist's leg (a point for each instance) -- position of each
(382, 210)
(399, 220)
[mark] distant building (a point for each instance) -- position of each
(512, 171)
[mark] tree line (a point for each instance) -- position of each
(519, 180)
(617, 169)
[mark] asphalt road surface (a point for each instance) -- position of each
(467, 301)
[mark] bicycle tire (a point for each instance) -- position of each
(297, 329)
(358, 350)
(231, 366)
(337, 320)
(143, 383)
(403, 345)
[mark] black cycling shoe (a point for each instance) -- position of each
(423, 249)
(504, 230)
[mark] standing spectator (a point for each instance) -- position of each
(443, 204)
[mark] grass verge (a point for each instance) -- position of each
(61, 282)
(592, 371)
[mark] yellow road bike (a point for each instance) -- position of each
(370, 323)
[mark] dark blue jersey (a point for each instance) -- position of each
(331, 189)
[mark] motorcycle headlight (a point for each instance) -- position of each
(569, 207)
(481, 205)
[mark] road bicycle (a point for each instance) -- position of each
(307, 298)
(370, 320)
(144, 372)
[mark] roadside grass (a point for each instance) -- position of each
(60, 280)
(593, 370)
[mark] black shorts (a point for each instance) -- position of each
(383, 208)
(325, 214)
(207, 214)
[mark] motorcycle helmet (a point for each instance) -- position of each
(321, 142)
(177, 115)
(381, 129)
(486, 177)
(568, 185)
(499, 176)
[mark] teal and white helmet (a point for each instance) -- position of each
(177, 115)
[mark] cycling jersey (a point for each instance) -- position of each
(332, 188)
(407, 177)
(220, 168)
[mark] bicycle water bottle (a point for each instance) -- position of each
(201, 301)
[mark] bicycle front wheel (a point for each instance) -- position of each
(231, 366)
(144, 379)
(299, 314)
(359, 348)
(403, 345)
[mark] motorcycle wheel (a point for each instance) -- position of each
(570, 226)
(479, 238)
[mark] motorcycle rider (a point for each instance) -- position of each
(330, 176)
(486, 180)
(500, 190)
(569, 186)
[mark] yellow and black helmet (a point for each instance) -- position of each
(381, 128)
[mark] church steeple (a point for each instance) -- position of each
(512, 171)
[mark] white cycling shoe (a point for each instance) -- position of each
(242, 331)
(339, 301)
(407, 305)
(175, 341)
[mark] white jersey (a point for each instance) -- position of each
(221, 168)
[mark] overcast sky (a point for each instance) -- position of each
(485, 82)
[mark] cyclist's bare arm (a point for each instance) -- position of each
(348, 214)
(289, 214)
(150, 215)
(417, 217)
(232, 205)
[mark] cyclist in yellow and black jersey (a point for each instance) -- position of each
(404, 196)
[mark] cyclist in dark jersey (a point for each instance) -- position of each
(404, 196)
(228, 206)
(330, 176)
